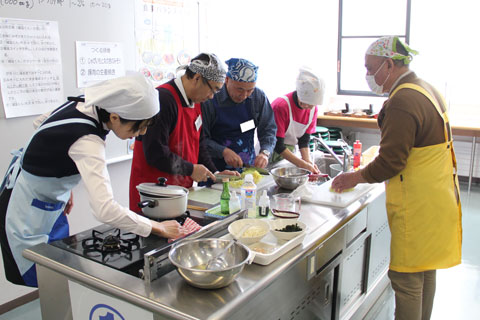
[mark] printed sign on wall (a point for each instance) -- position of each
(98, 61)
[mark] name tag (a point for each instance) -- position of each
(247, 125)
(198, 122)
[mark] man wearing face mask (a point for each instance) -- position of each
(417, 162)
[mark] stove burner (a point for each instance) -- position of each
(113, 242)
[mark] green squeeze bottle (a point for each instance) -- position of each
(225, 198)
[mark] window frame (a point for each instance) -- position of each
(339, 46)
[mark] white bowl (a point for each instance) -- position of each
(282, 223)
(259, 225)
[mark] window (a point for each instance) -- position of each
(359, 24)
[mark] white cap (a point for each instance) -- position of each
(248, 177)
(131, 97)
(310, 88)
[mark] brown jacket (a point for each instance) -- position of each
(407, 120)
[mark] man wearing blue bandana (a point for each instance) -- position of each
(230, 119)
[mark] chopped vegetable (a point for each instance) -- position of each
(290, 228)
(238, 183)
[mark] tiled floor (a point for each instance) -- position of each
(458, 289)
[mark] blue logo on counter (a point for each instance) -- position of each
(104, 312)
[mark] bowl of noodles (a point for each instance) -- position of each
(249, 231)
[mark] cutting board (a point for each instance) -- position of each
(322, 195)
(265, 182)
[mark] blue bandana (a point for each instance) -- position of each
(241, 70)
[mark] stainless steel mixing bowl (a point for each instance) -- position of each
(290, 177)
(191, 257)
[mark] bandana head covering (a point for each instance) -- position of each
(212, 69)
(310, 88)
(241, 70)
(387, 47)
(131, 97)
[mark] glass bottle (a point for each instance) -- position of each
(225, 198)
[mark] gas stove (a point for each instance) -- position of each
(142, 257)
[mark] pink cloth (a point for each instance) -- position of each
(190, 227)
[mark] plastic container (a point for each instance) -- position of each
(264, 205)
(234, 204)
(357, 154)
(250, 195)
(225, 198)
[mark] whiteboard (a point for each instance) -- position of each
(78, 20)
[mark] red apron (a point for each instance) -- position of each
(184, 141)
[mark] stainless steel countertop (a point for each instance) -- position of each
(173, 297)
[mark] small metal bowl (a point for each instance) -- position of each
(290, 177)
(190, 256)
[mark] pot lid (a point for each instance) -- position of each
(161, 189)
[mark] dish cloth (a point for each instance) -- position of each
(190, 227)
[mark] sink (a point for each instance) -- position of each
(324, 161)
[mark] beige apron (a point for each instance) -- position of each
(423, 205)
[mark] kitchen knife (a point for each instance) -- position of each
(219, 177)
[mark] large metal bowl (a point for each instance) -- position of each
(191, 256)
(290, 177)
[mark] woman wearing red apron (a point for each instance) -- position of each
(173, 148)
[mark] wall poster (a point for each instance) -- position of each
(30, 66)
(166, 35)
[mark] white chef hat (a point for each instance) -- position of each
(132, 97)
(310, 88)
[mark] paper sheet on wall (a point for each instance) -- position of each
(166, 36)
(30, 67)
(98, 61)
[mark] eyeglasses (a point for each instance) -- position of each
(209, 86)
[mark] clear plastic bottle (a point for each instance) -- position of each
(234, 203)
(357, 154)
(250, 195)
(264, 205)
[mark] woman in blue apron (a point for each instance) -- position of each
(69, 146)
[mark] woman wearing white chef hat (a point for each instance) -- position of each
(296, 118)
(69, 146)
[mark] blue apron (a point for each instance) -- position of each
(34, 213)
(227, 132)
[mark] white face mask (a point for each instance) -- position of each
(372, 84)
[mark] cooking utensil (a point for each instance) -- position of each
(198, 208)
(230, 177)
(157, 200)
(189, 253)
(290, 177)
(285, 214)
(218, 262)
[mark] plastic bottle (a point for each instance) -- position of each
(225, 198)
(242, 199)
(357, 154)
(264, 205)
(234, 203)
(250, 195)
